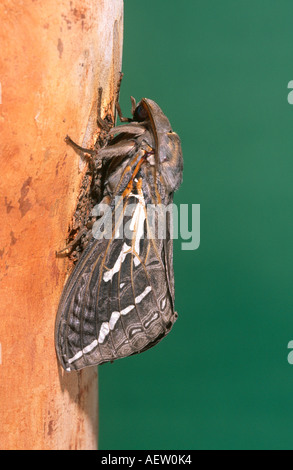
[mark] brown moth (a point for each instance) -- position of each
(119, 299)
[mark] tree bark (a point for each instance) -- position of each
(54, 57)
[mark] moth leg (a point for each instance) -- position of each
(119, 111)
(102, 123)
(69, 248)
(133, 105)
(69, 141)
(117, 105)
(118, 108)
(119, 85)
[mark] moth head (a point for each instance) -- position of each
(167, 142)
(168, 154)
(150, 110)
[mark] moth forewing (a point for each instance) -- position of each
(119, 299)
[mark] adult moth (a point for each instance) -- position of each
(119, 299)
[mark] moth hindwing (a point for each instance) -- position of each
(119, 299)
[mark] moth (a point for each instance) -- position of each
(119, 299)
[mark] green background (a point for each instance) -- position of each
(221, 379)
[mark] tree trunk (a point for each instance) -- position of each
(54, 57)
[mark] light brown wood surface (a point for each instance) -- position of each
(54, 57)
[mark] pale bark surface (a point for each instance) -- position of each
(54, 57)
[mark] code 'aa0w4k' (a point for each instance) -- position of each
(119, 299)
